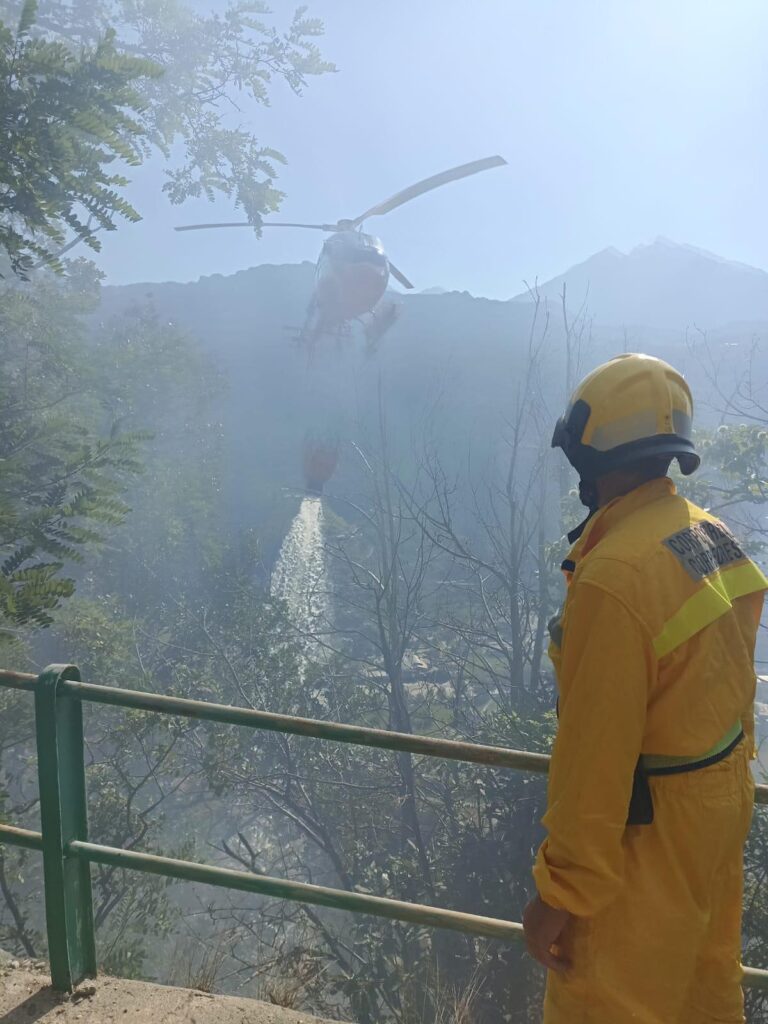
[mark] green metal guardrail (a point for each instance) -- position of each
(67, 854)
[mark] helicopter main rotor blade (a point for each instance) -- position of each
(246, 224)
(399, 275)
(284, 224)
(428, 184)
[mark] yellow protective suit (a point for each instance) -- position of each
(655, 658)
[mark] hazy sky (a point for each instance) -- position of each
(621, 120)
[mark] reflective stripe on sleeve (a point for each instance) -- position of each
(708, 604)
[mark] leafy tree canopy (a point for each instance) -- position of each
(65, 118)
(94, 85)
(61, 474)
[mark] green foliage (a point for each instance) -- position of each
(736, 456)
(20, 927)
(57, 484)
(733, 479)
(153, 376)
(93, 85)
(756, 910)
(61, 477)
(131, 764)
(66, 117)
(173, 600)
(74, 410)
(72, 405)
(211, 62)
(331, 814)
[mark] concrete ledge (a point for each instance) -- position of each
(27, 998)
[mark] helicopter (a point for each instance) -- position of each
(353, 270)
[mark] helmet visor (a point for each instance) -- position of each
(560, 436)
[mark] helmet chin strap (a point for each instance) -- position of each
(588, 497)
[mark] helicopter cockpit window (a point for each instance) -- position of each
(353, 247)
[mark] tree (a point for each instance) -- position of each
(90, 85)
(448, 834)
(72, 448)
(733, 482)
(65, 118)
(63, 391)
(133, 773)
(61, 476)
(501, 557)
(384, 597)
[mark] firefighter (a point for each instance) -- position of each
(639, 880)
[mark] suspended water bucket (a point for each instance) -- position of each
(320, 460)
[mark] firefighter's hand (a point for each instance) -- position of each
(543, 926)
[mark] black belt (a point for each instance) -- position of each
(641, 801)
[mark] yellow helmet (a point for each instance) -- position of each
(631, 408)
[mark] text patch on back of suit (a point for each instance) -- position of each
(703, 548)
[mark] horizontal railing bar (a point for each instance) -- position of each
(456, 750)
(21, 837)
(754, 978)
(337, 899)
(361, 735)
(18, 680)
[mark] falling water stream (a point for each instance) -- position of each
(299, 576)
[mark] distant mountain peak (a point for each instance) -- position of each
(664, 284)
(662, 246)
(609, 252)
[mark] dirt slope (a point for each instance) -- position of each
(26, 998)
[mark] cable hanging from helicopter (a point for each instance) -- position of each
(353, 270)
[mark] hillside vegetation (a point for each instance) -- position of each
(179, 413)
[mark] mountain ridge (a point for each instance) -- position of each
(662, 284)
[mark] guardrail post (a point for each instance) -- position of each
(63, 815)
